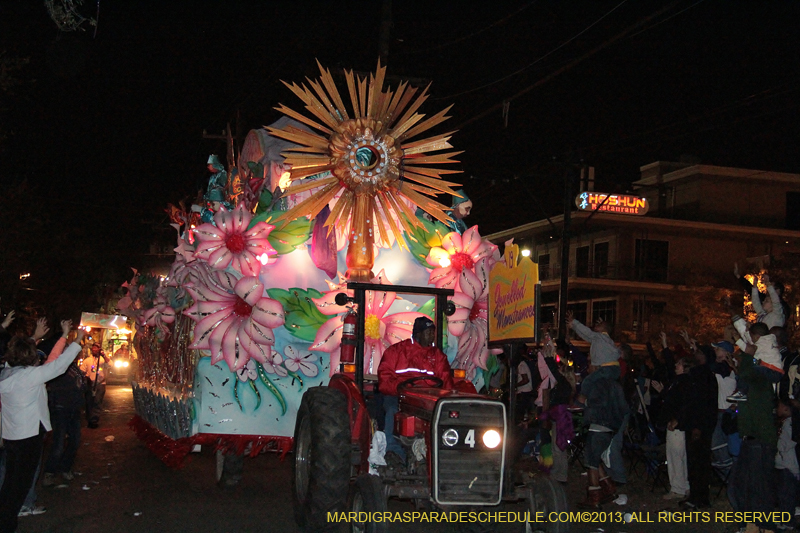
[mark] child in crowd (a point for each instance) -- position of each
(770, 311)
(767, 356)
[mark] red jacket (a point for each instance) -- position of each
(408, 359)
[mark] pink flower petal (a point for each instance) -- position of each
(268, 312)
(249, 289)
(445, 277)
(378, 302)
(452, 243)
(399, 326)
(327, 304)
(373, 352)
(471, 241)
(217, 336)
(220, 258)
(334, 362)
(329, 336)
(470, 284)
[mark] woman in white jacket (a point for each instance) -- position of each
(25, 419)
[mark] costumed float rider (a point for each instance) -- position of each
(414, 357)
(459, 210)
(215, 195)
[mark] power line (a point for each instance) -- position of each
(529, 65)
(468, 36)
(762, 96)
(660, 22)
(624, 33)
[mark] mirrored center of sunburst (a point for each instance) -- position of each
(367, 158)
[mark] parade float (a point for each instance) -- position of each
(247, 320)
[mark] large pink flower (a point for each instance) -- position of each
(159, 315)
(234, 318)
(228, 242)
(380, 330)
(470, 322)
(458, 253)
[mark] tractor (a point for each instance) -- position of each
(457, 442)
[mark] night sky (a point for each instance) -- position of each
(107, 129)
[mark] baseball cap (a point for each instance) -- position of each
(725, 345)
(421, 324)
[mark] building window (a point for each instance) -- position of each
(645, 313)
(652, 260)
(549, 315)
(601, 259)
(582, 261)
(605, 309)
(793, 210)
(544, 266)
(579, 310)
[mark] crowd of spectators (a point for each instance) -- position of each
(43, 391)
(727, 410)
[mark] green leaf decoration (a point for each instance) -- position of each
(258, 394)
(236, 394)
(428, 308)
(491, 369)
(271, 387)
(303, 319)
(288, 238)
(295, 376)
(422, 239)
(264, 200)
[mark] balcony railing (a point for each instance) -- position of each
(618, 271)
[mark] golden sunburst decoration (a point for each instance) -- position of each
(373, 164)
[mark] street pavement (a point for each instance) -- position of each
(123, 487)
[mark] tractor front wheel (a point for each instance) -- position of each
(546, 496)
(369, 496)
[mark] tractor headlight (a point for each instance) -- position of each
(491, 439)
(450, 437)
(117, 363)
(125, 363)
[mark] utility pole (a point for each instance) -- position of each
(386, 30)
(563, 291)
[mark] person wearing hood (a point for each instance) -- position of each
(459, 210)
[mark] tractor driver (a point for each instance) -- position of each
(414, 357)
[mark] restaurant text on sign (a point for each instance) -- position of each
(612, 203)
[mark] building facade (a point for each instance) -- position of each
(638, 272)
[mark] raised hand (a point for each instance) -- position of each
(663, 337)
(8, 319)
(79, 336)
(66, 327)
(41, 329)
(569, 316)
(736, 270)
(765, 279)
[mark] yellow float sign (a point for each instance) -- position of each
(512, 298)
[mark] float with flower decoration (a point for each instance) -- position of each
(248, 322)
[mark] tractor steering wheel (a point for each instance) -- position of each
(411, 382)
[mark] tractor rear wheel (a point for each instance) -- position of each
(321, 467)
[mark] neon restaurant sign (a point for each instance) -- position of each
(612, 203)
